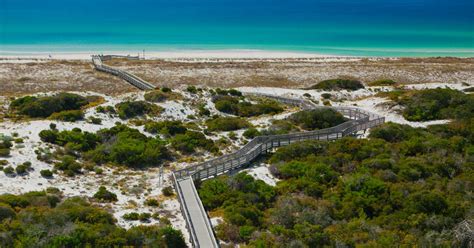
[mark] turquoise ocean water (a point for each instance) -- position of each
(336, 27)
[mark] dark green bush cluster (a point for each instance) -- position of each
(167, 191)
(23, 168)
(192, 89)
(317, 118)
(191, 140)
(383, 82)
(74, 139)
(251, 133)
(137, 216)
(68, 115)
(162, 95)
(104, 195)
(230, 92)
(5, 145)
(436, 104)
(106, 110)
(130, 109)
(243, 200)
(407, 183)
(46, 173)
(233, 105)
(119, 144)
(470, 89)
(74, 222)
(338, 84)
(280, 127)
(45, 106)
(69, 165)
(168, 128)
(227, 124)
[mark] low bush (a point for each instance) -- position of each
(233, 105)
(338, 84)
(436, 104)
(251, 133)
(21, 169)
(326, 95)
(46, 173)
(317, 118)
(8, 170)
(168, 128)
(95, 120)
(131, 216)
(192, 89)
(69, 165)
(168, 191)
(130, 109)
(383, 82)
(119, 144)
(81, 224)
(190, 141)
(227, 124)
(45, 106)
(152, 202)
(68, 115)
(165, 94)
(104, 195)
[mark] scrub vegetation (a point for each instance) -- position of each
(402, 186)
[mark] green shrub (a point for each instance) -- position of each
(152, 202)
(3, 162)
(169, 128)
(6, 212)
(119, 144)
(95, 120)
(93, 226)
(203, 111)
(167, 191)
(227, 124)
(251, 133)
(46, 173)
(232, 105)
(470, 89)
(104, 195)
(21, 169)
(130, 109)
(8, 170)
(338, 84)
(190, 141)
(383, 82)
(436, 104)
(46, 106)
(68, 115)
(69, 165)
(192, 89)
(326, 95)
(166, 89)
(161, 96)
(144, 217)
(131, 216)
(317, 118)
(5, 145)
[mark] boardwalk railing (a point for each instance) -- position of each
(132, 79)
(359, 120)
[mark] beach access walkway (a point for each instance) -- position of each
(197, 221)
(97, 61)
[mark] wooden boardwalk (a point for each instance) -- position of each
(193, 211)
(130, 78)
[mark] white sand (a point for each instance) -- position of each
(169, 54)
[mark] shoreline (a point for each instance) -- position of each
(171, 54)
